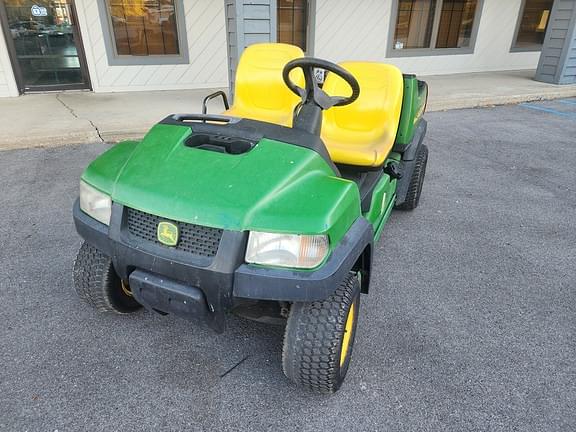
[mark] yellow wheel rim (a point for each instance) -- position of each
(126, 289)
(347, 335)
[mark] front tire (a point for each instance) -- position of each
(319, 338)
(98, 285)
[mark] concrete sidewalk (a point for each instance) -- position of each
(54, 119)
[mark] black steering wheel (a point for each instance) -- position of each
(313, 92)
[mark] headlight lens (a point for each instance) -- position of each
(95, 203)
(286, 250)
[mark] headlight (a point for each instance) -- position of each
(95, 203)
(286, 250)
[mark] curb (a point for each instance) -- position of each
(488, 101)
(112, 137)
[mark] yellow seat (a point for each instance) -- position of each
(363, 132)
(259, 91)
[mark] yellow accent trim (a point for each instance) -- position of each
(541, 27)
(126, 288)
(259, 91)
(167, 233)
(363, 133)
(347, 334)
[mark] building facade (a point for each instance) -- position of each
(131, 45)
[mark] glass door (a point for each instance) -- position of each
(45, 45)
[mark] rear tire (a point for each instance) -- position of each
(416, 181)
(97, 283)
(319, 338)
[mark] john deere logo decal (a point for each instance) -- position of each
(167, 233)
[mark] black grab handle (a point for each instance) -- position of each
(212, 96)
(181, 118)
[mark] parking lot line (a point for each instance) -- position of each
(548, 110)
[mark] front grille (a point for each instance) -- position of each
(194, 239)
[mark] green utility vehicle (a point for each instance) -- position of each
(270, 210)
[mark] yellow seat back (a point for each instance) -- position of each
(363, 132)
(259, 91)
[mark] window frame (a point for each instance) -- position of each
(310, 31)
(115, 59)
(530, 48)
(431, 51)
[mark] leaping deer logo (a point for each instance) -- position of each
(167, 233)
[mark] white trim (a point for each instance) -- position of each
(115, 59)
(345, 31)
(206, 40)
(8, 86)
(147, 87)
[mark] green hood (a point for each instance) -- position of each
(274, 187)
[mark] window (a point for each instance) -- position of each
(430, 25)
(414, 24)
(293, 22)
(144, 27)
(144, 31)
(456, 21)
(532, 24)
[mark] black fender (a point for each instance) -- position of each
(260, 283)
(408, 162)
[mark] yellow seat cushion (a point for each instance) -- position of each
(363, 132)
(259, 91)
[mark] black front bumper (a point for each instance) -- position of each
(203, 289)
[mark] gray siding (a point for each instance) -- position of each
(247, 22)
(557, 63)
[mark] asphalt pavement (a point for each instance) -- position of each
(470, 323)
